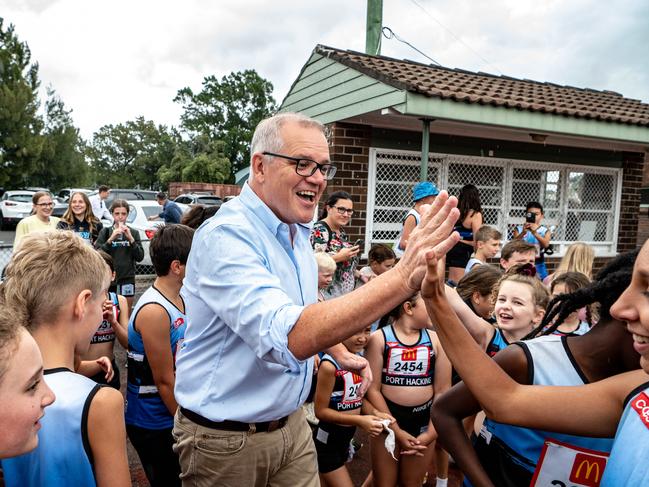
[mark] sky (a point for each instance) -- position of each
(113, 61)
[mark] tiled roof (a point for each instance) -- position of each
(487, 89)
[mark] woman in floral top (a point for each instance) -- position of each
(328, 236)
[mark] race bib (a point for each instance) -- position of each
(564, 465)
(409, 361)
(352, 388)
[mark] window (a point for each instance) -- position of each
(580, 202)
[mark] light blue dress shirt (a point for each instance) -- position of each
(245, 287)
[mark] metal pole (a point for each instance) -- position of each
(425, 143)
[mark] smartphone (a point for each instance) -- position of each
(358, 243)
(530, 217)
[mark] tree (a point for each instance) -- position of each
(228, 110)
(20, 126)
(199, 159)
(61, 162)
(131, 154)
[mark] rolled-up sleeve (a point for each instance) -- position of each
(243, 288)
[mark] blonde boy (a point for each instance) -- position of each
(487, 246)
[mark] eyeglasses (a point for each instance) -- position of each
(307, 167)
(344, 211)
(45, 205)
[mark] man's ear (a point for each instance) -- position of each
(503, 263)
(257, 167)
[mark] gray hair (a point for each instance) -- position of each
(268, 137)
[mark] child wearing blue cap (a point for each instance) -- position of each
(422, 194)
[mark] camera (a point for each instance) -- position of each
(530, 217)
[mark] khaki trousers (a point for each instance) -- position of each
(210, 457)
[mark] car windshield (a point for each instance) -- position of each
(208, 200)
(21, 198)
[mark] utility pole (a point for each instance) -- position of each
(373, 27)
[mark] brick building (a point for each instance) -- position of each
(580, 152)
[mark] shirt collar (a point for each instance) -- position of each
(251, 201)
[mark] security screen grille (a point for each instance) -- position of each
(581, 203)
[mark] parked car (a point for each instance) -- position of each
(199, 199)
(14, 206)
(64, 194)
(138, 219)
(128, 195)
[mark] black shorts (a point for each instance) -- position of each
(459, 255)
(332, 445)
(100, 378)
(413, 419)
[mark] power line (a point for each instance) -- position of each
(456, 37)
(390, 34)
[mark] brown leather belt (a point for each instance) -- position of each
(227, 425)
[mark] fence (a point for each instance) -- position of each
(581, 203)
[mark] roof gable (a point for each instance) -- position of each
(486, 89)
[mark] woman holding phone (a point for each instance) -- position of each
(123, 244)
(328, 236)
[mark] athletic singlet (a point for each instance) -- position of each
(345, 396)
(472, 262)
(581, 329)
(144, 406)
(397, 250)
(63, 455)
(497, 343)
(407, 365)
(515, 456)
(105, 332)
(628, 464)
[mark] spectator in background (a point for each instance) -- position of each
(467, 226)
(329, 236)
(326, 271)
(41, 220)
(198, 214)
(517, 252)
(80, 218)
(98, 204)
(423, 193)
(123, 244)
(171, 212)
(487, 242)
(538, 235)
(578, 258)
(380, 258)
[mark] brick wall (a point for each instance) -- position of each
(349, 151)
(630, 205)
(221, 190)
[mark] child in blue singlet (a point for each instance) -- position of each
(410, 369)
(338, 407)
(23, 393)
(155, 333)
(595, 408)
(60, 283)
(519, 305)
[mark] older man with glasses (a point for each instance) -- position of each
(41, 219)
(245, 366)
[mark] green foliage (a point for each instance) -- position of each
(130, 154)
(61, 163)
(200, 159)
(228, 110)
(20, 126)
